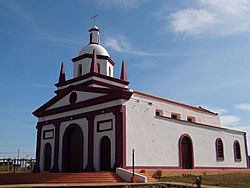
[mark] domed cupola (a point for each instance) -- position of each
(82, 63)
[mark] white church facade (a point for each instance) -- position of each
(95, 120)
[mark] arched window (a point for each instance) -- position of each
(79, 70)
(98, 68)
(237, 153)
(110, 71)
(47, 157)
(219, 149)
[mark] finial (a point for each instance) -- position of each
(124, 72)
(93, 18)
(93, 67)
(62, 74)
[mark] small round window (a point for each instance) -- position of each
(73, 98)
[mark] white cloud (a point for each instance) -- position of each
(215, 109)
(214, 17)
(243, 106)
(121, 44)
(38, 32)
(121, 4)
(118, 44)
(226, 120)
(145, 65)
(18, 10)
(59, 39)
(191, 20)
(229, 120)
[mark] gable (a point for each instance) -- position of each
(85, 96)
(80, 97)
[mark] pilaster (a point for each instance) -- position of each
(56, 147)
(38, 149)
(90, 165)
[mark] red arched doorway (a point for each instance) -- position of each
(47, 157)
(72, 149)
(105, 154)
(186, 152)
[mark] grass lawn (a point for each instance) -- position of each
(237, 180)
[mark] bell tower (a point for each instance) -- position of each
(94, 37)
(82, 63)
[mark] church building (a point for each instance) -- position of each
(95, 121)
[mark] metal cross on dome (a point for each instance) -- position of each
(94, 17)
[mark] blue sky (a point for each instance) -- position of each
(191, 51)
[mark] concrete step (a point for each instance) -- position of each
(84, 177)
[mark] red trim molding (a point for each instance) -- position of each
(99, 124)
(99, 100)
(38, 148)
(120, 137)
(100, 83)
(90, 165)
(56, 147)
(214, 167)
(124, 124)
(178, 167)
(113, 95)
(46, 131)
(83, 56)
(174, 102)
(246, 151)
(88, 75)
(66, 92)
(153, 167)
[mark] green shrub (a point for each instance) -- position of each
(158, 174)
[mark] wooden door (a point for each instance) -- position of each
(187, 153)
(105, 154)
(47, 157)
(73, 150)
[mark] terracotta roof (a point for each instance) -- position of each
(177, 103)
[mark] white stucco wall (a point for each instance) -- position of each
(83, 123)
(155, 139)
(99, 135)
(168, 108)
(42, 147)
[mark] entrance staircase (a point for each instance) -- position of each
(51, 178)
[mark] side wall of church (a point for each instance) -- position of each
(156, 139)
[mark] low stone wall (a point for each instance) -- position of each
(126, 176)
